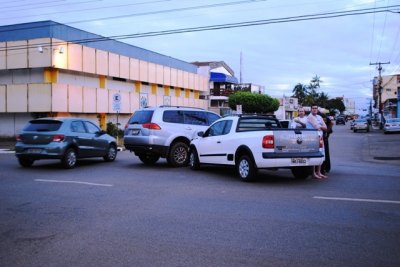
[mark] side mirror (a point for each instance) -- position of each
(101, 132)
(201, 133)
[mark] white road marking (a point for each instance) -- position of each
(359, 199)
(71, 182)
(6, 151)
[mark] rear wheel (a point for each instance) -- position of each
(194, 159)
(149, 159)
(111, 153)
(301, 172)
(69, 159)
(178, 155)
(246, 169)
(25, 162)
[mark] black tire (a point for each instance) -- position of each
(149, 159)
(301, 173)
(25, 162)
(355, 130)
(178, 155)
(246, 169)
(194, 161)
(111, 153)
(69, 159)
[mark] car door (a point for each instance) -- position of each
(97, 145)
(214, 147)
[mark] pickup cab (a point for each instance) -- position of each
(250, 142)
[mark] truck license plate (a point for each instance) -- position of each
(299, 161)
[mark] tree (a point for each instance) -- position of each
(322, 99)
(335, 104)
(253, 103)
(300, 92)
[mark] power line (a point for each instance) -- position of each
(212, 27)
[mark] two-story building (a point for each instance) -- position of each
(51, 69)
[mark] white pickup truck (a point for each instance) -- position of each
(251, 142)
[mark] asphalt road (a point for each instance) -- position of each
(127, 214)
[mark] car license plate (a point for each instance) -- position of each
(34, 150)
(299, 161)
(135, 131)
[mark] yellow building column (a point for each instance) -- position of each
(50, 75)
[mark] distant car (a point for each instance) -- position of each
(340, 120)
(66, 139)
(391, 125)
(360, 124)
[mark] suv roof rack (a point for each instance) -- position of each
(168, 106)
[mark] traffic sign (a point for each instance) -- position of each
(116, 105)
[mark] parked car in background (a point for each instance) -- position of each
(66, 139)
(360, 125)
(165, 132)
(340, 120)
(391, 125)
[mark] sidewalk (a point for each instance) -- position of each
(383, 147)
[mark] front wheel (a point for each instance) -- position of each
(111, 154)
(246, 169)
(178, 155)
(301, 172)
(25, 162)
(194, 161)
(149, 159)
(69, 159)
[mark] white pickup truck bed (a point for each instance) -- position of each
(254, 142)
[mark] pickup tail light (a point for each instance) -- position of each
(151, 126)
(268, 141)
(58, 138)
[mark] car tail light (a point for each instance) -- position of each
(321, 142)
(268, 141)
(151, 126)
(18, 138)
(58, 138)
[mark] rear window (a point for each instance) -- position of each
(257, 124)
(43, 126)
(141, 116)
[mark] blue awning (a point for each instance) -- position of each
(222, 78)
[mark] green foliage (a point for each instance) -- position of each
(336, 104)
(253, 103)
(308, 94)
(113, 130)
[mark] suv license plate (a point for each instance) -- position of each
(299, 161)
(135, 132)
(34, 150)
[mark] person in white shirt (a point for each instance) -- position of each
(315, 121)
(300, 121)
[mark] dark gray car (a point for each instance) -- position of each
(66, 139)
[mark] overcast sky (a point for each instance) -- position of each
(275, 55)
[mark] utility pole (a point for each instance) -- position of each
(380, 91)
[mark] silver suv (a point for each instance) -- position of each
(165, 132)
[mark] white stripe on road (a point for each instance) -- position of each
(71, 182)
(359, 199)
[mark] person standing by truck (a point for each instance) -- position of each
(300, 121)
(315, 121)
